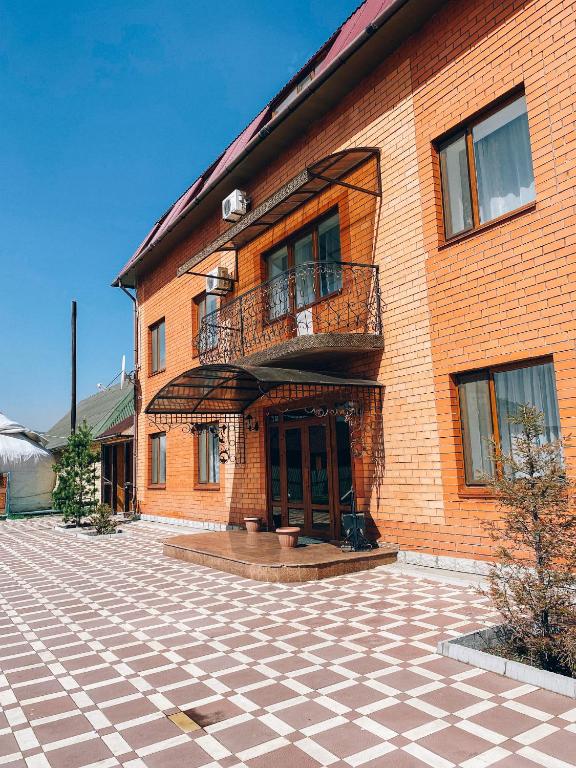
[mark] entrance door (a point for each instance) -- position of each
(116, 474)
(310, 471)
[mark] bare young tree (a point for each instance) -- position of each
(533, 580)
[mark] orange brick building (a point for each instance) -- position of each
(401, 281)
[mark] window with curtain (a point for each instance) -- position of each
(329, 256)
(313, 257)
(277, 265)
(486, 169)
(206, 305)
(208, 456)
(487, 401)
(158, 459)
(304, 271)
(158, 346)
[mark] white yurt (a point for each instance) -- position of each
(28, 465)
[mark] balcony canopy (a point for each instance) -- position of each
(230, 389)
(308, 183)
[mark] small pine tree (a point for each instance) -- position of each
(103, 520)
(533, 581)
(75, 492)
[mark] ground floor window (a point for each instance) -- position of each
(158, 459)
(208, 456)
(488, 399)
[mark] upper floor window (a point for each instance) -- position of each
(158, 459)
(208, 456)
(487, 401)
(305, 268)
(158, 346)
(486, 169)
(205, 305)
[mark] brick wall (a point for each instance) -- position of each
(499, 295)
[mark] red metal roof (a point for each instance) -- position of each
(335, 47)
(124, 428)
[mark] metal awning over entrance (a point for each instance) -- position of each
(216, 397)
(308, 183)
(230, 389)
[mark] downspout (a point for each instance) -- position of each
(134, 298)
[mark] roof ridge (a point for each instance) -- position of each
(268, 104)
(149, 240)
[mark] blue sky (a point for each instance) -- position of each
(109, 111)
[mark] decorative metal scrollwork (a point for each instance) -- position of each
(230, 429)
(359, 406)
(312, 298)
(352, 413)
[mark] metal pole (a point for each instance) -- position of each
(73, 394)
(134, 298)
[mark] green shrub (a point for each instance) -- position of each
(103, 520)
(532, 583)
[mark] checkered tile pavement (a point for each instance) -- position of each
(101, 640)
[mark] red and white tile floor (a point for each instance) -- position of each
(101, 640)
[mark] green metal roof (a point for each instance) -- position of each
(100, 411)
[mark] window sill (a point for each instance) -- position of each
(156, 486)
(156, 373)
(488, 225)
(479, 492)
(207, 486)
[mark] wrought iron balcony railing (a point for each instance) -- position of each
(313, 298)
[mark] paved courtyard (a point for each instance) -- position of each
(100, 641)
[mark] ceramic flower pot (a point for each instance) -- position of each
(252, 524)
(288, 537)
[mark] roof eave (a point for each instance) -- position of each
(398, 22)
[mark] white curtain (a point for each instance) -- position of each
(214, 457)
(477, 427)
(207, 309)
(277, 285)
(456, 187)
(533, 385)
(209, 455)
(503, 161)
(304, 263)
(329, 255)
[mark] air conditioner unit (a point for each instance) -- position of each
(235, 205)
(218, 282)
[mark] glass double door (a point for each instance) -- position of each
(310, 472)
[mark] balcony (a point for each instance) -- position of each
(311, 310)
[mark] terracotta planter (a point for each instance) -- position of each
(288, 537)
(252, 524)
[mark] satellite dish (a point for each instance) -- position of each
(123, 374)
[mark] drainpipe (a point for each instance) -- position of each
(134, 298)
